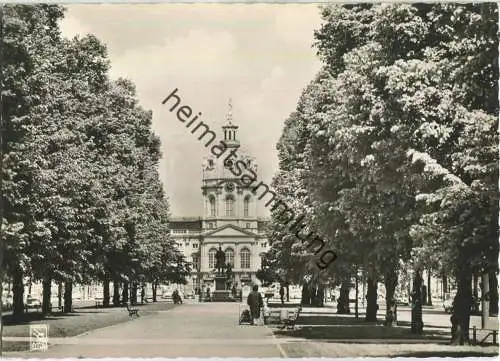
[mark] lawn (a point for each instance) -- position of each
(76, 323)
(327, 334)
(360, 332)
(331, 349)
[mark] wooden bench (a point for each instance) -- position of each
(289, 323)
(132, 311)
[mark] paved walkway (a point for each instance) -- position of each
(192, 330)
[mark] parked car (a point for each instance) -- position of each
(189, 294)
(32, 302)
(7, 302)
(448, 303)
(402, 299)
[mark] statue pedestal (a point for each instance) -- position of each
(220, 282)
(221, 293)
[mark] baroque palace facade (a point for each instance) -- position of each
(230, 220)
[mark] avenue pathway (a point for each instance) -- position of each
(191, 330)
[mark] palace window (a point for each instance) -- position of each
(245, 258)
(230, 256)
(211, 258)
(196, 262)
(246, 204)
(195, 245)
(229, 206)
(212, 206)
(248, 225)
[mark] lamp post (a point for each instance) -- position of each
(356, 313)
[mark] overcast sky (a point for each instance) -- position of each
(259, 55)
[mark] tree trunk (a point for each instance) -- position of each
(116, 293)
(46, 291)
(287, 292)
(429, 295)
(68, 296)
(493, 294)
(17, 293)
(125, 293)
(390, 282)
(475, 283)
(105, 293)
(306, 295)
(371, 300)
(417, 324)
(133, 293)
(321, 295)
(445, 286)
(59, 294)
(460, 318)
(314, 294)
(343, 301)
(154, 286)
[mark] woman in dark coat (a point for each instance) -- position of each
(255, 302)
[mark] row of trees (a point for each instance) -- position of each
(81, 195)
(392, 151)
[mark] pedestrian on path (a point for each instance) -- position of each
(255, 302)
(282, 294)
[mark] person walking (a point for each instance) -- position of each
(255, 302)
(282, 294)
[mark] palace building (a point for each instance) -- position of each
(230, 220)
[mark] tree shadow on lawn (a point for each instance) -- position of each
(408, 324)
(99, 308)
(35, 317)
(286, 305)
(448, 354)
(331, 319)
(361, 332)
(29, 318)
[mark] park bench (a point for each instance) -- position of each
(132, 311)
(491, 329)
(272, 316)
(289, 323)
(99, 302)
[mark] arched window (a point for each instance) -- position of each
(212, 206)
(229, 205)
(245, 258)
(211, 258)
(246, 205)
(230, 256)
